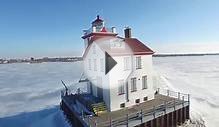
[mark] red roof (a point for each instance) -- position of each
(103, 30)
(103, 34)
(136, 47)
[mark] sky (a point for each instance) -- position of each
(53, 28)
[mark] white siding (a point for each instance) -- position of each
(93, 76)
(120, 72)
(116, 74)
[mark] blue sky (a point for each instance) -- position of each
(54, 27)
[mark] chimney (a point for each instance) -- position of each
(127, 32)
(113, 29)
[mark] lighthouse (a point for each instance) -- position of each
(118, 77)
(129, 82)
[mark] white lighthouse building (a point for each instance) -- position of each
(118, 76)
(119, 69)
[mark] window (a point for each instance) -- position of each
(137, 101)
(121, 87)
(115, 44)
(144, 82)
(122, 105)
(89, 64)
(95, 65)
(127, 63)
(138, 62)
(133, 85)
(145, 98)
(101, 65)
(94, 49)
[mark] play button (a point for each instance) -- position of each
(109, 62)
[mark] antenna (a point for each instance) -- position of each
(66, 89)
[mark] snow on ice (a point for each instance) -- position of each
(30, 93)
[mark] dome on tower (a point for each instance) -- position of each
(98, 23)
(97, 20)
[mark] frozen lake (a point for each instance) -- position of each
(30, 93)
(196, 75)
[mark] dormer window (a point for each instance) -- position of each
(115, 44)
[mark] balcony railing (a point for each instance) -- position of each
(177, 99)
(180, 99)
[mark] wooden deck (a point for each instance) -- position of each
(136, 115)
(121, 117)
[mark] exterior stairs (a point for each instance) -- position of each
(99, 108)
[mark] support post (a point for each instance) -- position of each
(127, 120)
(181, 116)
(172, 119)
(82, 114)
(154, 111)
(110, 121)
(183, 100)
(151, 123)
(188, 97)
(88, 120)
(168, 120)
(165, 104)
(175, 118)
(187, 112)
(179, 95)
(141, 116)
(95, 122)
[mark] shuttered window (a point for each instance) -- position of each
(127, 63)
(138, 62)
(121, 87)
(133, 85)
(144, 82)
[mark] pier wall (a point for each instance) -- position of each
(71, 116)
(172, 119)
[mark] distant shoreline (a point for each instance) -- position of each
(74, 59)
(40, 60)
(189, 54)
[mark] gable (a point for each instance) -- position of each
(133, 46)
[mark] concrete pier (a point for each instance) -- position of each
(171, 119)
(169, 114)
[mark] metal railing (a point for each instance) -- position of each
(180, 99)
(178, 95)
